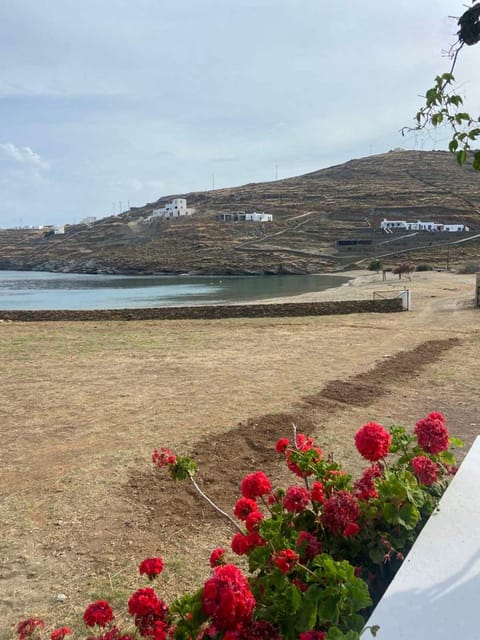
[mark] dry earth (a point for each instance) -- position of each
(83, 405)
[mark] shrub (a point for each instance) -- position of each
(375, 265)
(320, 553)
(424, 267)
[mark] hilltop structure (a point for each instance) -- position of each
(175, 209)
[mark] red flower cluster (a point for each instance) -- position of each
(25, 628)
(373, 441)
(425, 470)
(296, 499)
(432, 434)
(99, 612)
(364, 487)
(227, 598)
(255, 485)
(244, 507)
(59, 634)
(308, 545)
(282, 445)
(242, 544)
(150, 613)
(303, 444)
(216, 557)
(286, 560)
(151, 567)
(253, 521)
(258, 630)
(318, 492)
(312, 635)
(340, 513)
(163, 457)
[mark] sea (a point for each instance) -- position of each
(29, 290)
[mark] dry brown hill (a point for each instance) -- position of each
(311, 213)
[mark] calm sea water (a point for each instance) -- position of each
(43, 290)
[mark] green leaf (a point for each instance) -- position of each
(308, 612)
(456, 442)
(409, 516)
(293, 599)
(461, 157)
(447, 457)
(453, 145)
(475, 165)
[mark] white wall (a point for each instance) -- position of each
(436, 592)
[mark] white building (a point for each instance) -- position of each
(402, 225)
(174, 209)
(258, 217)
(241, 216)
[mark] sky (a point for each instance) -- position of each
(106, 104)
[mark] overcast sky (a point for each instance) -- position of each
(109, 101)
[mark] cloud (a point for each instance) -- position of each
(24, 155)
(141, 185)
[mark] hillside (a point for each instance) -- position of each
(311, 212)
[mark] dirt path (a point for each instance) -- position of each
(83, 405)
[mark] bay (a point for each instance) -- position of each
(29, 290)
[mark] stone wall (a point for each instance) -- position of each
(212, 312)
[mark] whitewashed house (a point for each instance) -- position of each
(258, 217)
(241, 216)
(175, 209)
(402, 225)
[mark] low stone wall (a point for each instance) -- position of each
(212, 312)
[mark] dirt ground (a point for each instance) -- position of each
(84, 404)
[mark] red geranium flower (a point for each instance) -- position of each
(318, 492)
(255, 485)
(340, 511)
(99, 612)
(296, 499)
(244, 507)
(216, 557)
(303, 444)
(432, 434)
(163, 457)
(227, 598)
(151, 567)
(312, 635)
(242, 544)
(253, 521)
(373, 441)
(308, 545)
(25, 628)
(425, 470)
(364, 487)
(59, 634)
(282, 445)
(286, 560)
(148, 610)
